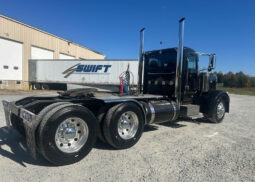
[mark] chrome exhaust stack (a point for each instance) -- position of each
(179, 62)
(140, 63)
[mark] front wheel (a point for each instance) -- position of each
(218, 112)
(123, 125)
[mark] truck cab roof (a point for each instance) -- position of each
(186, 50)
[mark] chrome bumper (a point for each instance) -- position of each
(29, 120)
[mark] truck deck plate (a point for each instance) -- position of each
(111, 97)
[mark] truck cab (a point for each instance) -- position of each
(160, 74)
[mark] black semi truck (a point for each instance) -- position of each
(64, 128)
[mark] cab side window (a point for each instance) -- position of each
(192, 64)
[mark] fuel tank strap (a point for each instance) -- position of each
(152, 113)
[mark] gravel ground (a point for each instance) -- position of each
(189, 150)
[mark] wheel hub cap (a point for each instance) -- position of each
(220, 110)
(128, 125)
(71, 135)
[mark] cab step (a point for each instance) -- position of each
(189, 110)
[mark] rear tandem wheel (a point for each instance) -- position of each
(67, 134)
(123, 125)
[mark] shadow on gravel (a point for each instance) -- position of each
(105, 146)
(150, 128)
(172, 124)
(196, 121)
(18, 152)
(175, 124)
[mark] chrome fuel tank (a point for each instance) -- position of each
(161, 111)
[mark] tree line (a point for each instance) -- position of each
(239, 79)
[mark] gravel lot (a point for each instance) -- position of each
(189, 150)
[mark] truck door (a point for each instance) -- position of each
(190, 74)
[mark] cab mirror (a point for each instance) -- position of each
(212, 61)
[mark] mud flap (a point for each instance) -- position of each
(7, 114)
(30, 124)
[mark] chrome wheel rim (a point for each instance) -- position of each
(220, 110)
(71, 135)
(128, 125)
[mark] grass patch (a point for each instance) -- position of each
(240, 91)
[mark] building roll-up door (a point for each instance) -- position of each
(64, 56)
(40, 53)
(10, 60)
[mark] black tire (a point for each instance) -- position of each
(17, 124)
(37, 86)
(213, 117)
(45, 87)
(40, 116)
(48, 128)
(111, 125)
(100, 116)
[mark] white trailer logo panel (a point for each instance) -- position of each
(97, 72)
